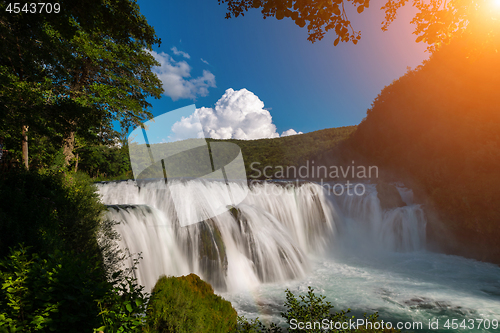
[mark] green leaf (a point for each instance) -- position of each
(129, 307)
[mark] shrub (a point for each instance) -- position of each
(49, 211)
(56, 293)
(59, 280)
(188, 304)
(309, 308)
(123, 307)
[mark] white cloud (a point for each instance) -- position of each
(176, 78)
(237, 114)
(204, 61)
(186, 128)
(291, 131)
(177, 52)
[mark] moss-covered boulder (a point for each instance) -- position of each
(389, 196)
(188, 304)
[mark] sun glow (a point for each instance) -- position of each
(496, 4)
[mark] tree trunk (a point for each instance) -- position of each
(76, 163)
(68, 146)
(24, 145)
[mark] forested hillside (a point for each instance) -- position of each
(293, 150)
(108, 163)
(438, 129)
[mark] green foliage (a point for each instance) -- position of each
(48, 210)
(103, 162)
(437, 128)
(304, 309)
(256, 326)
(188, 304)
(77, 71)
(123, 307)
(310, 308)
(66, 278)
(58, 164)
(55, 293)
(67, 292)
(295, 150)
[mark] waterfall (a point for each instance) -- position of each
(266, 238)
(373, 230)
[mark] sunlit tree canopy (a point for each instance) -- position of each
(436, 22)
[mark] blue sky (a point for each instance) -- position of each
(304, 86)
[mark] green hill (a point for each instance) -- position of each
(293, 150)
(437, 128)
(105, 163)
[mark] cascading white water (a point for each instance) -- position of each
(372, 229)
(265, 239)
(347, 247)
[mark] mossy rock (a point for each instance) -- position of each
(212, 254)
(247, 237)
(235, 212)
(389, 196)
(239, 218)
(188, 304)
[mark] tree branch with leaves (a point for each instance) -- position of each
(437, 22)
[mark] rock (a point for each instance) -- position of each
(389, 196)
(212, 254)
(188, 304)
(234, 211)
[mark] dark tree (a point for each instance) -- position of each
(75, 71)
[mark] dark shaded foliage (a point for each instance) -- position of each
(438, 129)
(104, 162)
(49, 211)
(52, 245)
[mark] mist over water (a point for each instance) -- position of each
(346, 247)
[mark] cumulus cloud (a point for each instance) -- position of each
(177, 52)
(177, 80)
(291, 131)
(237, 114)
(187, 128)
